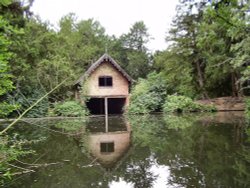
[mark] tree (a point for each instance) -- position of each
(51, 72)
(210, 41)
(16, 11)
(223, 31)
(84, 41)
(184, 35)
(137, 37)
(177, 72)
(138, 60)
(6, 84)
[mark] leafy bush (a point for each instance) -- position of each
(148, 95)
(6, 109)
(70, 109)
(176, 103)
(143, 104)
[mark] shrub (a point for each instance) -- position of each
(148, 95)
(70, 109)
(6, 109)
(176, 103)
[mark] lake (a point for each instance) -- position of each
(196, 150)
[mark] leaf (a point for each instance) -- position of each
(5, 2)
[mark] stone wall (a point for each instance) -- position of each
(226, 103)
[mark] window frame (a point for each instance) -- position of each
(107, 147)
(105, 81)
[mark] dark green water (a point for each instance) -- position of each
(140, 151)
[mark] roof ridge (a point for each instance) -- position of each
(98, 63)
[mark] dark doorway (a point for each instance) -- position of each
(96, 106)
(115, 105)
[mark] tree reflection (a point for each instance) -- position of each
(242, 165)
(197, 155)
(192, 151)
(140, 175)
(137, 170)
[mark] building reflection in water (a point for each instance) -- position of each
(108, 143)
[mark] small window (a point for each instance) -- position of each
(105, 81)
(107, 147)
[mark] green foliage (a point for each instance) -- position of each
(6, 84)
(41, 57)
(81, 41)
(137, 37)
(10, 149)
(73, 125)
(44, 57)
(141, 104)
(5, 81)
(208, 54)
(70, 109)
(5, 2)
(176, 103)
(209, 49)
(148, 95)
(180, 122)
(51, 72)
(6, 109)
(176, 71)
(247, 108)
(136, 59)
(27, 99)
(138, 64)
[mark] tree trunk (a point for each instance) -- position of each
(236, 85)
(201, 81)
(234, 92)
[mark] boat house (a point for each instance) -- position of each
(106, 85)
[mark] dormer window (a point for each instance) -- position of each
(105, 81)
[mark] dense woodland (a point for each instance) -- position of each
(208, 55)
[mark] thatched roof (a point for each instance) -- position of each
(105, 58)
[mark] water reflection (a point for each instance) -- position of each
(162, 151)
(197, 154)
(109, 142)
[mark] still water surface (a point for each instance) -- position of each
(140, 151)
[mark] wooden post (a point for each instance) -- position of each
(106, 113)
